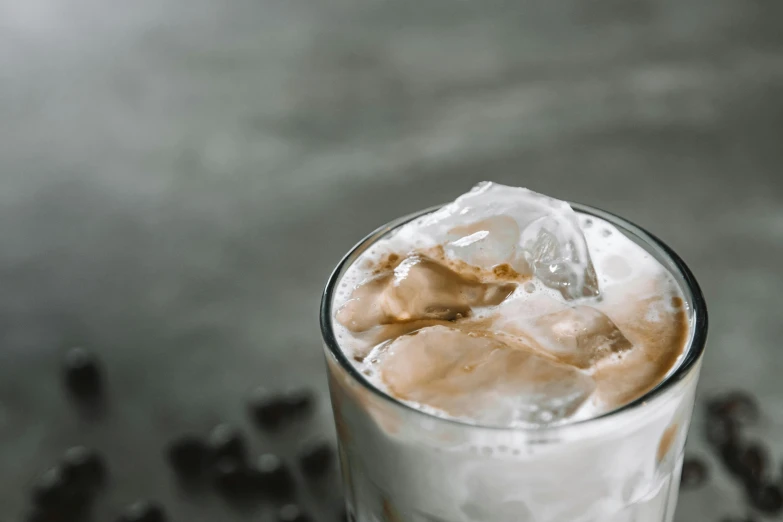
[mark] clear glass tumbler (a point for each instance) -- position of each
(400, 464)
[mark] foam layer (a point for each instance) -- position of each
(506, 308)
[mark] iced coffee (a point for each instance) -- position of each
(509, 358)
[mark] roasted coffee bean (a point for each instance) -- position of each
(187, 455)
(694, 473)
(767, 498)
(316, 459)
(54, 495)
(82, 373)
(298, 400)
(232, 478)
(273, 476)
(731, 456)
(144, 511)
(755, 462)
(83, 468)
(50, 490)
(269, 410)
(292, 513)
(721, 432)
(736, 405)
(225, 441)
(748, 462)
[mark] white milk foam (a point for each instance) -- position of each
(636, 291)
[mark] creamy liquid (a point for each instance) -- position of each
(446, 328)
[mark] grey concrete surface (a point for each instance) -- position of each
(177, 179)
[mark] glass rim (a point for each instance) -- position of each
(693, 350)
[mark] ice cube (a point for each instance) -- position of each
(478, 376)
(556, 261)
(579, 336)
(477, 228)
(419, 288)
(486, 243)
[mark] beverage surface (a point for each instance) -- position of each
(507, 308)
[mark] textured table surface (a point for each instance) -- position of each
(178, 178)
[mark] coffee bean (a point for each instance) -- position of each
(694, 473)
(144, 511)
(77, 503)
(721, 432)
(298, 401)
(316, 459)
(49, 490)
(748, 462)
(82, 372)
(225, 441)
(187, 455)
(736, 405)
(755, 462)
(767, 498)
(291, 513)
(232, 478)
(61, 500)
(83, 468)
(274, 478)
(269, 410)
(731, 456)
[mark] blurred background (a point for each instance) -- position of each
(178, 178)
